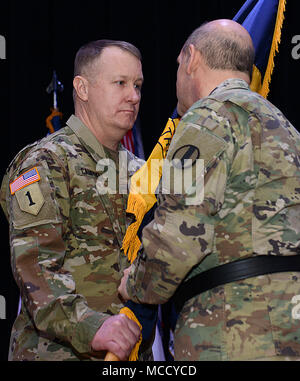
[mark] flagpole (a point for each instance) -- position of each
(52, 120)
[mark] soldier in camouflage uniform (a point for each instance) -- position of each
(251, 207)
(65, 229)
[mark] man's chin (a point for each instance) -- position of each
(127, 125)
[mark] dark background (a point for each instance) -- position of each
(45, 35)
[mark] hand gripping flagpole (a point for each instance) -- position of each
(53, 120)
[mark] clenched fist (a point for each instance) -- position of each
(118, 334)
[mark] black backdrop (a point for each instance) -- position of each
(42, 36)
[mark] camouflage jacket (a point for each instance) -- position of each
(250, 206)
(65, 238)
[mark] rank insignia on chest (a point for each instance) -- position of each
(27, 191)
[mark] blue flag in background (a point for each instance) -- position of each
(263, 20)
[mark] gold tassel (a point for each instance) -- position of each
(134, 353)
(274, 48)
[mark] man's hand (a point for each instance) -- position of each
(122, 288)
(118, 335)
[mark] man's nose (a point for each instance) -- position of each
(134, 94)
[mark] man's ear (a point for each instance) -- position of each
(193, 60)
(81, 87)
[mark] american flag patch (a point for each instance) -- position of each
(28, 177)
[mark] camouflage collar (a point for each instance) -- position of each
(231, 83)
(228, 84)
(87, 138)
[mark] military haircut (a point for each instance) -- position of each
(92, 50)
(222, 51)
(88, 53)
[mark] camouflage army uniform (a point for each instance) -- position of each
(251, 206)
(66, 257)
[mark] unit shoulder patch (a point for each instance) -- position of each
(196, 142)
(30, 198)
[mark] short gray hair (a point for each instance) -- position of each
(88, 53)
(221, 51)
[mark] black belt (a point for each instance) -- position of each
(231, 272)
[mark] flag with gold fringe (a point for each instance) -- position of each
(141, 203)
(263, 19)
(142, 189)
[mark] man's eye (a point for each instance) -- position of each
(121, 83)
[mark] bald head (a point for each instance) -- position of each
(229, 28)
(224, 45)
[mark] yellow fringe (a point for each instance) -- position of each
(54, 113)
(274, 48)
(131, 243)
(142, 197)
(134, 353)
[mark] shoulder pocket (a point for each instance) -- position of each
(196, 142)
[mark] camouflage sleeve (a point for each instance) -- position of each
(182, 233)
(38, 217)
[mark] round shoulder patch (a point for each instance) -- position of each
(184, 153)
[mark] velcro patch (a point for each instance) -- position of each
(196, 142)
(30, 199)
(27, 178)
(35, 204)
